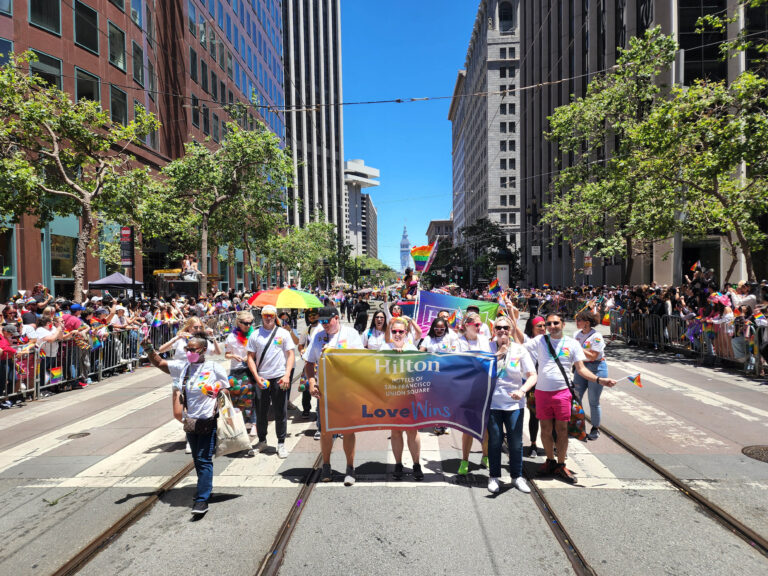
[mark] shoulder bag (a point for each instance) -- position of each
(577, 424)
(200, 426)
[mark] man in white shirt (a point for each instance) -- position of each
(313, 327)
(553, 396)
(270, 360)
(334, 335)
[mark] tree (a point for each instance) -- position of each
(482, 244)
(58, 157)
(600, 202)
(304, 250)
(240, 184)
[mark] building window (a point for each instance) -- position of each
(229, 64)
(6, 47)
(193, 64)
(511, 108)
(513, 181)
(503, 182)
(6, 7)
(118, 105)
(503, 200)
(192, 18)
(138, 64)
(202, 29)
(503, 127)
(46, 14)
(116, 46)
(48, 68)
(215, 128)
(513, 200)
(503, 164)
(86, 86)
(508, 16)
(220, 14)
(503, 109)
(512, 145)
(151, 78)
(195, 112)
(136, 13)
(503, 217)
(119, 3)
(222, 92)
(204, 76)
(214, 86)
(512, 218)
(212, 43)
(503, 53)
(206, 120)
(502, 72)
(502, 145)
(86, 27)
(512, 164)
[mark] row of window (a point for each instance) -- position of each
(508, 218)
(507, 145)
(507, 200)
(507, 127)
(507, 72)
(503, 52)
(210, 122)
(507, 164)
(505, 109)
(46, 14)
(508, 182)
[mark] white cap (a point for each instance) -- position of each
(96, 298)
(269, 309)
(120, 308)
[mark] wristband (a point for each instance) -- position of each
(597, 380)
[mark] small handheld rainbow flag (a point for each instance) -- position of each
(494, 287)
(758, 316)
(56, 375)
(695, 266)
(157, 320)
(635, 379)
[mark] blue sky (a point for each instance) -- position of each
(401, 49)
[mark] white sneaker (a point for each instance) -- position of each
(349, 478)
(493, 485)
(317, 435)
(521, 485)
(282, 451)
(253, 432)
(188, 449)
(261, 446)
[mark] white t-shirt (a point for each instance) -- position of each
(203, 382)
(50, 348)
(550, 377)
(593, 341)
(346, 337)
(373, 339)
(305, 338)
(273, 365)
(406, 347)
(233, 346)
(482, 344)
(484, 330)
(448, 343)
(511, 376)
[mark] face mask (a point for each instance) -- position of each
(193, 357)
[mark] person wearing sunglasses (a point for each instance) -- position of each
(270, 360)
(440, 339)
(553, 395)
(311, 316)
(235, 351)
(516, 376)
(472, 341)
(398, 331)
(334, 335)
(534, 326)
(593, 344)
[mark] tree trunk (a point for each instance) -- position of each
(251, 274)
(204, 245)
(734, 256)
(572, 251)
(83, 239)
(629, 260)
(745, 249)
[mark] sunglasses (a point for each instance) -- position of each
(325, 321)
(474, 324)
(267, 315)
(245, 323)
(397, 331)
(502, 328)
(552, 323)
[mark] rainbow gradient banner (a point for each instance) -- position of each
(371, 390)
(430, 304)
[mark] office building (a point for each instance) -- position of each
(484, 120)
(182, 60)
(357, 176)
(314, 119)
(370, 226)
(439, 230)
(564, 45)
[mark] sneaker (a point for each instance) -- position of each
(188, 449)
(548, 468)
(398, 473)
(200, 508)
(326, 474)
(417, 473)
(349, 478)
(463, 468)
(521, 485)
(594, 434)
(249, 453)
(317, 435)
(493, 485)
(564, 474)
(261, 446)
(306, 414)
(484, 461)
(534, 451)
(282, 451)
(253, 432)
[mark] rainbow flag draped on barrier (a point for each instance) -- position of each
(56, 374)
(430, 304)
(423, 256)
(369, 390)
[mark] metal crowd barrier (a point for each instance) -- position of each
(725, 343)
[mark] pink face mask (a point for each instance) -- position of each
(193, 357)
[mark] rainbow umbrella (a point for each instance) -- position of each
(284, 298)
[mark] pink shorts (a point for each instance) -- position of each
(553, 405)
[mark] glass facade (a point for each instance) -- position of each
(701, 50)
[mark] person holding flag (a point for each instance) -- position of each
(593, 345)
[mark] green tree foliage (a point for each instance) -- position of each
(304, 250)
(482, 248)
(61, 158)
(233, 190)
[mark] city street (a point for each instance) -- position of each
(73, 464)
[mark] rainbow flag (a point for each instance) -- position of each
(423, 256)
(56, 375)
(157, 320)
(42, 353)
(758, 316)
(494, 287)
(635, 379)
(696, 265)
(226, 329)
(606, 319)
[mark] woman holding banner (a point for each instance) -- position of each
(441, 340)
(375, 336)
(472, 341)
(398, 329)
(508, 405)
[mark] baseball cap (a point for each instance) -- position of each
(11, 329)
(101, 311)
(75, 307)
(269, 309)
(327, 312)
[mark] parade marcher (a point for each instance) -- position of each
(535, 326)
(235, 351)
(557, 355)
(375, 336)
(398, 330)
(440, 339)
(471, 341)
(334, 335)
(508, 405)
(270, 360)
(360, 314)
(313, 327)
(197, 384)
(284, 321)
(484, 329)
(593, 344)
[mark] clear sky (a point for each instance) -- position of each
(400, 49)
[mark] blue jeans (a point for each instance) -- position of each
(203, 447)
(512, 420)
(593, 388)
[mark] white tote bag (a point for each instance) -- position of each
(231, 435)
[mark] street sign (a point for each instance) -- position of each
(587, 265)
(126, 246)
(535, 250)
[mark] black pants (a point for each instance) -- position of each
(279, 400)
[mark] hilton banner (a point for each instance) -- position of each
(369, 390)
